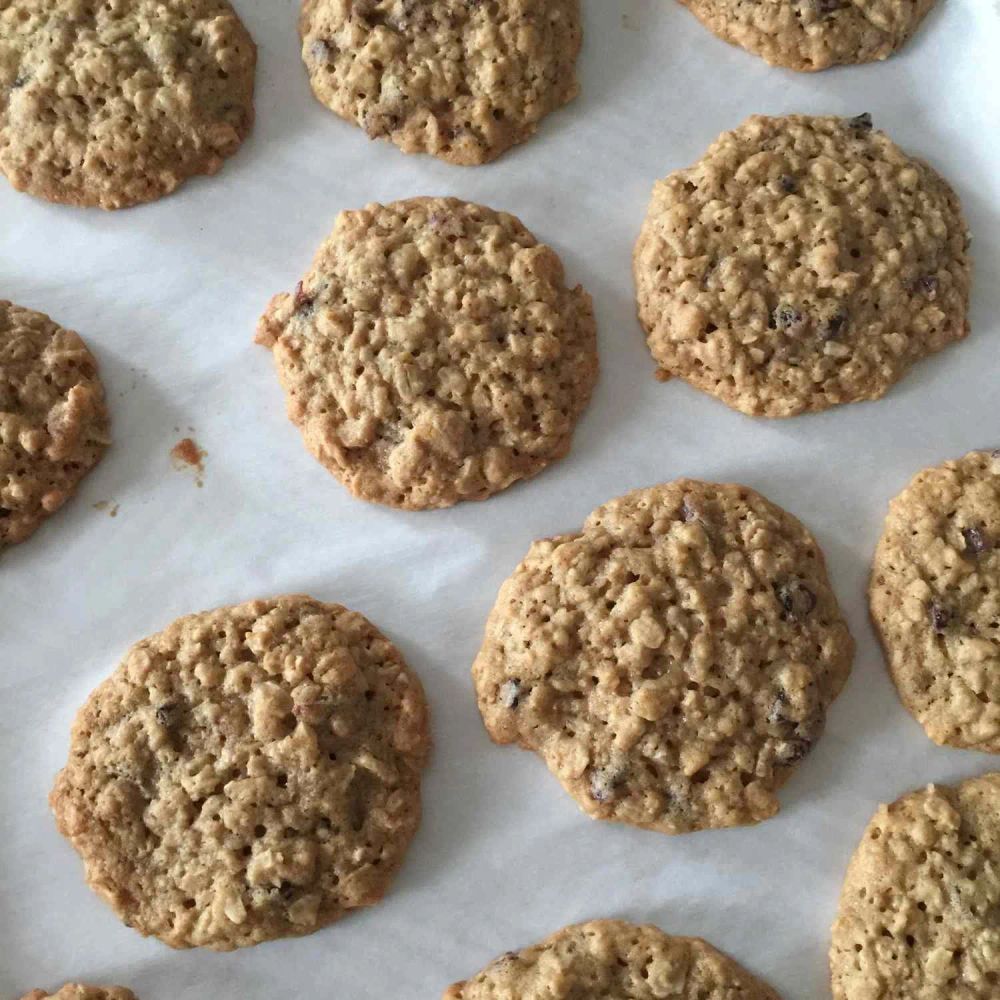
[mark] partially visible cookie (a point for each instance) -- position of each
(810, 35)
(611, 958)
(248, 773)
(918, 911)
(935, 599)
(802, 262)
(461, 80)
(114, 103)
(54, 426)
(673, 661)
(80, 991)
(433, 353)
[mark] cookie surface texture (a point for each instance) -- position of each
(612, 958)
(54, 425)
(672, 661)
(433, 353)
(462, 81)
(115, 102)
(248, 773)
(935, 599)
(80, 991)
(918, 911)
(810, 35)
(802, 262)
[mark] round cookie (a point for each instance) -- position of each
(461, 80)
(800, 263)
(672, 661)
(54, 426)
(80, 991)
(433, 353)
(935, 599)
(918, 911)
(115, 102)
(247, 774)
(612, 958)
(809, 35)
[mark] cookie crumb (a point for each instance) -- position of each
(188, 454)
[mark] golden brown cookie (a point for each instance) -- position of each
(80, 991)
(462, 80)
(248, 773)
(54, 426)
(802, 262)
(813, 34)
(116, 102)
(433, 353)
(672, 661)
(606, 959)
(935, 599)
(919, 909)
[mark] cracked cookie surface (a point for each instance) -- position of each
(811, 35)
(80, 991)
(115, 102)
(54, 426)
(918, 916)
(612, 958)
(802, 262)
(433, 353)
(935, 599)
(247, 774)
(463, 81)
(672, 661)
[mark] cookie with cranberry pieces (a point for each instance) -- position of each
(801, 263)
(249, 773)
(935, 599)
(671, 662)
(54, 425)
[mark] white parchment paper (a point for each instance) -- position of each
(167, 296)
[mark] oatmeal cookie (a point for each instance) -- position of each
(116, 102)
(802, 262)
(462, 81)
(612, 958)
(54, 426)
(935, 599)
(248, 773)
(80, 991)
(433, 353)
(918, 911)
(810, 35)
(673, 661)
